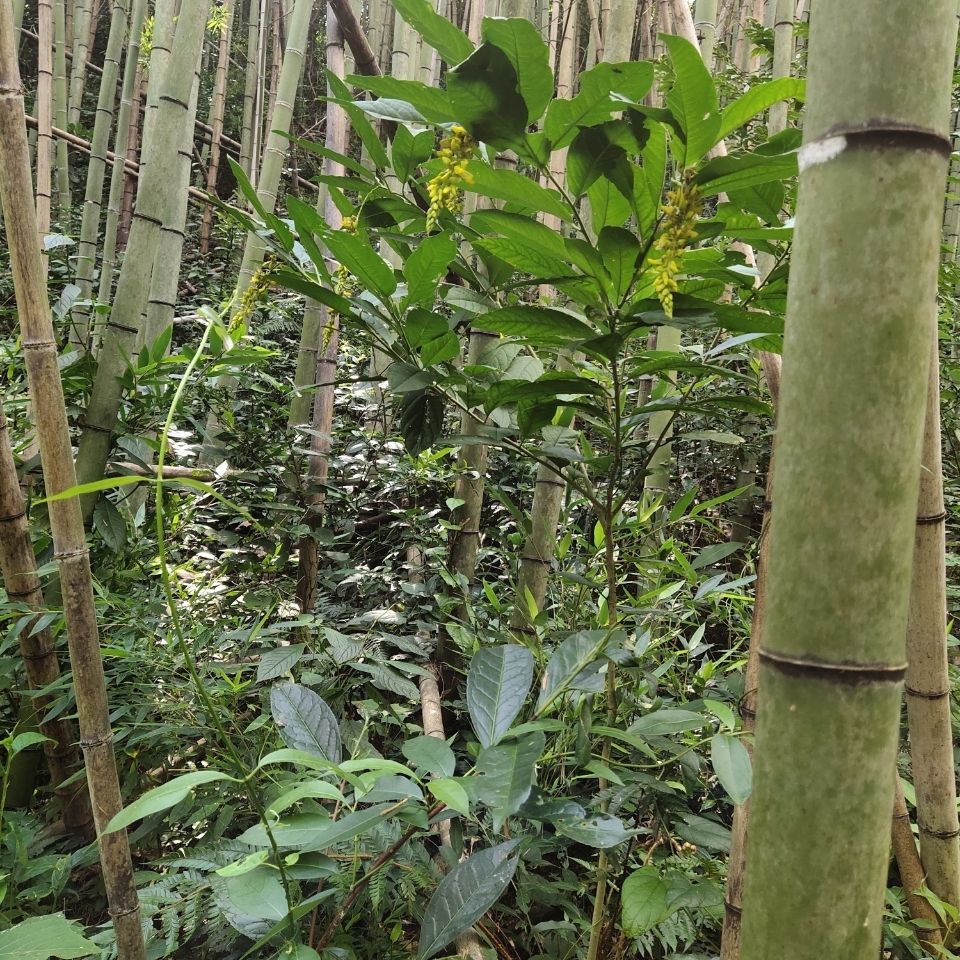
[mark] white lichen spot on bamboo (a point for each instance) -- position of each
(820, 151)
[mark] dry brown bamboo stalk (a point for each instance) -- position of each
(911, 870)
(18, 566)
(70, 547)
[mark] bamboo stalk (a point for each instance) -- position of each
(928, 677)
(93, 195)
(44, 107)
(832, 658)
(60, 112)
(81, 42)
(217, 111)
(70, 548)
(133, 286)
(121, 150)
(18, 566)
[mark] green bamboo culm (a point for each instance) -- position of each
(860, 312)
(93, 196)
(133, 286)
(69, 542)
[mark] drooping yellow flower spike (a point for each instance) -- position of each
(680, 212)
(256, 290)
(456, 150)
(344, 282)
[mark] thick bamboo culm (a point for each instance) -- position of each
(70, 548)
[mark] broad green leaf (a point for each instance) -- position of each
(526, 258)
(576, 664)
(388, 108)
(666, 721)
(520, 40)
(391, 787)
(311, 831)
(464, 895)
(483, 91)
(239, 867)
(724, 174)
(258, 893)
(428, 261)
(39, 938)
(275, 663)
(594, 104)
(692, 100)
(731, 763)
(643, 901)
(303, 791)
(431, 754)
(451, 792)
(23, 741)
(409, 149)
(537, 324)
(523, 230)
(704, 832)
(600, 832)
(551, 385)
(368, 136)
(516, 188)
(648, 181)
(167, 795)
(449, 41)
(305, 721)
(363, 262)
(406, 378)
(758, 98)
(430, 102)
(421, 420)
(497, 686)
(600, 152)
(505, 775)
(608, 206)
(621, 252)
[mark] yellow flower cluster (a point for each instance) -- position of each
(344, 282)
(256, 289)
(680, 212)
(455, 152)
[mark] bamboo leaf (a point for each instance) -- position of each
(464, 895)
(497, 686)
(305, 721)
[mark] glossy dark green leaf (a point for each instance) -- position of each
(759, 97)
(428, 261)
(601, 832)
(692, 99)
(505, 775)
(497, 686)
(485, 99)
(431, 754)
(516, 188)
(356, 254)
(550, 385)
(600, 152)
(431, 102)
(575, 664)
(594, 103)
(521, 229)
(731, 763)
(406, 378)
(305, 721)
(704, 832)
(408, 150)
(39, 938)
(524, 257)
(313, 831)
(621, 252)
(520, 40)
(666, 721)
(537, 324)
(464, 895)
(421, 420)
